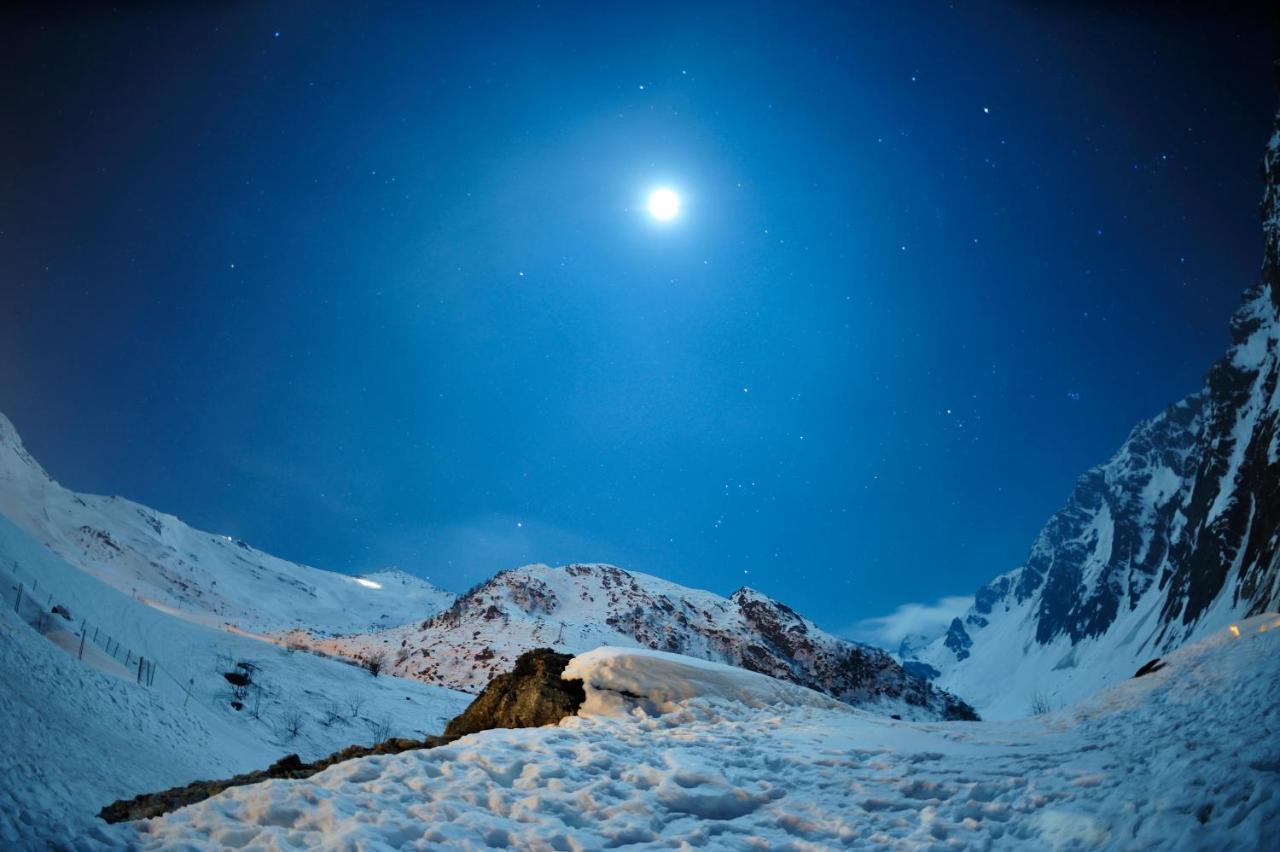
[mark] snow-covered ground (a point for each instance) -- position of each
(1185, 758)
(77, 735)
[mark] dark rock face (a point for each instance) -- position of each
(529, 696)
(958, 640)
(1150, 666)
(1108, 544)
(921, 670)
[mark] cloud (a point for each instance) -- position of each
(929, 620)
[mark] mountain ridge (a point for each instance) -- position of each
(161, 560)
(578, 607)
(1171, 538)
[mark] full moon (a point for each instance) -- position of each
(664, 205)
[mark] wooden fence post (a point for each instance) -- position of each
(17, 602)
(139, 670)
(81, 654)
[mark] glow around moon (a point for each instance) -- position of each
(664, 204)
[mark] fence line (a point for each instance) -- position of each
(26, 603)
(39, 617)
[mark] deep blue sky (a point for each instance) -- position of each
(373, 287)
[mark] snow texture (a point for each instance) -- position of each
(1182, 759)
(616, 678)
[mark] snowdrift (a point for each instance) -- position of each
(618, 680)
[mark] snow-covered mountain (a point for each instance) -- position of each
(1173, 538)
(199, 576)
(580, 607)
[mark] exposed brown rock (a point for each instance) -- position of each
(529, 696)
(290, 766)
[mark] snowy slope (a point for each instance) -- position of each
(210, 579)
(580, 607)
(1171, 539)
(1183, 759)
(79, 735)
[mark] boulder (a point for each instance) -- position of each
(1150, 666)
(531, 695)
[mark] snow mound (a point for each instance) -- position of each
(619, 679)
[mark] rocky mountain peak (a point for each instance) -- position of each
(1173, 537)
(580, 607)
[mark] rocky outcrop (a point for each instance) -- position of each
(290, 766)
(957, 640)
(530, 695)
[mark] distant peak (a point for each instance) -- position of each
(9, 434)
(10, 438)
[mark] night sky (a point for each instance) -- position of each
(378, 286)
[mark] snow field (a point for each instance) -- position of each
(1185, 758)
